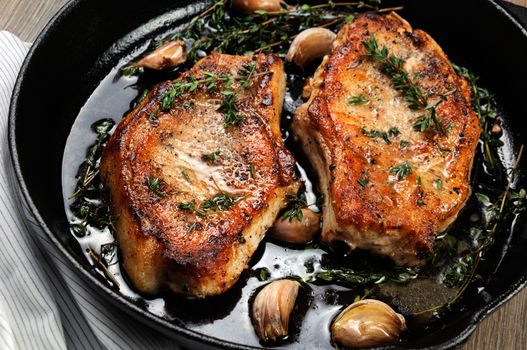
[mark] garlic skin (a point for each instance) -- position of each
(168, 55)
(256, 5)
(367, 323)
(297, 231)
(272, 307)
(309, 45)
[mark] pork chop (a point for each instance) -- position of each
(197, 172)
(393, 174)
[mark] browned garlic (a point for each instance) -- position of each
(309, 45)
(168, 55)
(272, 307)
(297, 231)
(256, 5)
(367, 323)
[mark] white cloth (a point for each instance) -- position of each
(44, 304)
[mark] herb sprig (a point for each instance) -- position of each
(359, 99)
(296, 204)
(87, 206)
(401, 170)
(484, 106)
(218, 29)
(190, 84)
(155, 185)
(385, 135)
(393, 67)
(220, 202)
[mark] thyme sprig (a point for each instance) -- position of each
(462, 271)
(393, 67)
(220, 202)
(484, 106)
(352, 277)
(385, 135)
(231, 114)
(401, 170)
(218, 29)
(359, 99)
(155, 185)
(296, 204)
(87, 206)
(190, 84)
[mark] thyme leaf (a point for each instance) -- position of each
(358, 100)
(385, 135)
(401, 170)
(155, 185)
(296, 204)
(231, 114)
(221, 202)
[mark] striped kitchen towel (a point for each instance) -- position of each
(43, 303)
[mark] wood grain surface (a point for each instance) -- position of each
(504, 329)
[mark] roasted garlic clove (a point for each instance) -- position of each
(367, 323)
(272, 307)
(297, 231)
(309, 45)
(168, 55)
(256, 5)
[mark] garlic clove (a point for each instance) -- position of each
(272, 308)
(169, 55)
(309, 45)
(297, 231)
(257, 5)
(367, 323)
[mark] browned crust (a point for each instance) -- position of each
(336, 129)
(152, 231)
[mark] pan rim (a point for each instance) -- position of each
(168, 327)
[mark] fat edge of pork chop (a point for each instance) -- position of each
(356, 155)
(191, 196)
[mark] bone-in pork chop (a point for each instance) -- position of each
(394, 160)
(198, 172)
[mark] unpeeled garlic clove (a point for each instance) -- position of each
(257, 5)
(169, 55)
(297, 231)
(272, 307)
(309, 45)
(367, 323)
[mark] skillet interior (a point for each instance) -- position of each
(88, 38)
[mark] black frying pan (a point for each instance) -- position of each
(88, 37)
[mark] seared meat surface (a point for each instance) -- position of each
(389, 187)
(197, 173)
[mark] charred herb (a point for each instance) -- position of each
(87, 205)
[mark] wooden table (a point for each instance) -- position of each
(504, 329)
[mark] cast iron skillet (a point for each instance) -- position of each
(88, 37)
